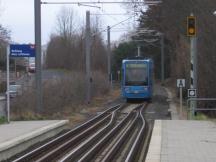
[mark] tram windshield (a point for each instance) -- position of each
(136, 74)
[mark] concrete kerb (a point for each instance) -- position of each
(154, 151)
(19, 144)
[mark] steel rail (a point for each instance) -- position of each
(84, 146)
(91, 153)
(72, 142)
(53, 143)
(134, 150)
(112, 152)
(144, 150)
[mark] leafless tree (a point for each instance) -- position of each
(4, 39)
(66, 47)
(67, 23)
(99, 51)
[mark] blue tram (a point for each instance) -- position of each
(137, 79)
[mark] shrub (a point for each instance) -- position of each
(61, 96)
(3, 120)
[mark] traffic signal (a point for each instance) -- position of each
(191, 26)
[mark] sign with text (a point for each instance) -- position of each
(22, 50)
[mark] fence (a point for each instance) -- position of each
(189, 110)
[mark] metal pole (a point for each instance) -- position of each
(15, 68)
(138, 48)
(8, 84)
(193, 71)
(109, 56)
(38, 76)
(88, 66)
(194, 41)
(162, 58)
(181, 101)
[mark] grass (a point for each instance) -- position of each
(201, 116)
(28, 115)
(3, 120)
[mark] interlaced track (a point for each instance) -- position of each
(118, 133)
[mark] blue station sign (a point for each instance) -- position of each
(22, 50)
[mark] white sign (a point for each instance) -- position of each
(192, 93)
(180, 83)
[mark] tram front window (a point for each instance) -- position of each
(136, 74)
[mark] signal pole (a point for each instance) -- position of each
(88, 66)
(191, 32)
(38, 78)
(193, 104)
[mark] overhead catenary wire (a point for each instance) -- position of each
(149, 2)
(112, 26)
(112, 14)
(85, 3)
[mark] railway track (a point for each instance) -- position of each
(114, 134)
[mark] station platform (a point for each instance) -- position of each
(19, 135)
(2, 98)
(182, 141)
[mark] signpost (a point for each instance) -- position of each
(16, 50)
(192, 93)
(22, 50)
(180, 85)
(8, 82)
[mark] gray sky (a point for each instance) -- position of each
(18, 16)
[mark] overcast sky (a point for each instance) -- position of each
(18, 16)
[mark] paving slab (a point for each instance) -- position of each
(18, 136)
(183, 141)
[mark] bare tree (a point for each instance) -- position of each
(98, 49)
(66, 47)
(4, 39)
(67, 23)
